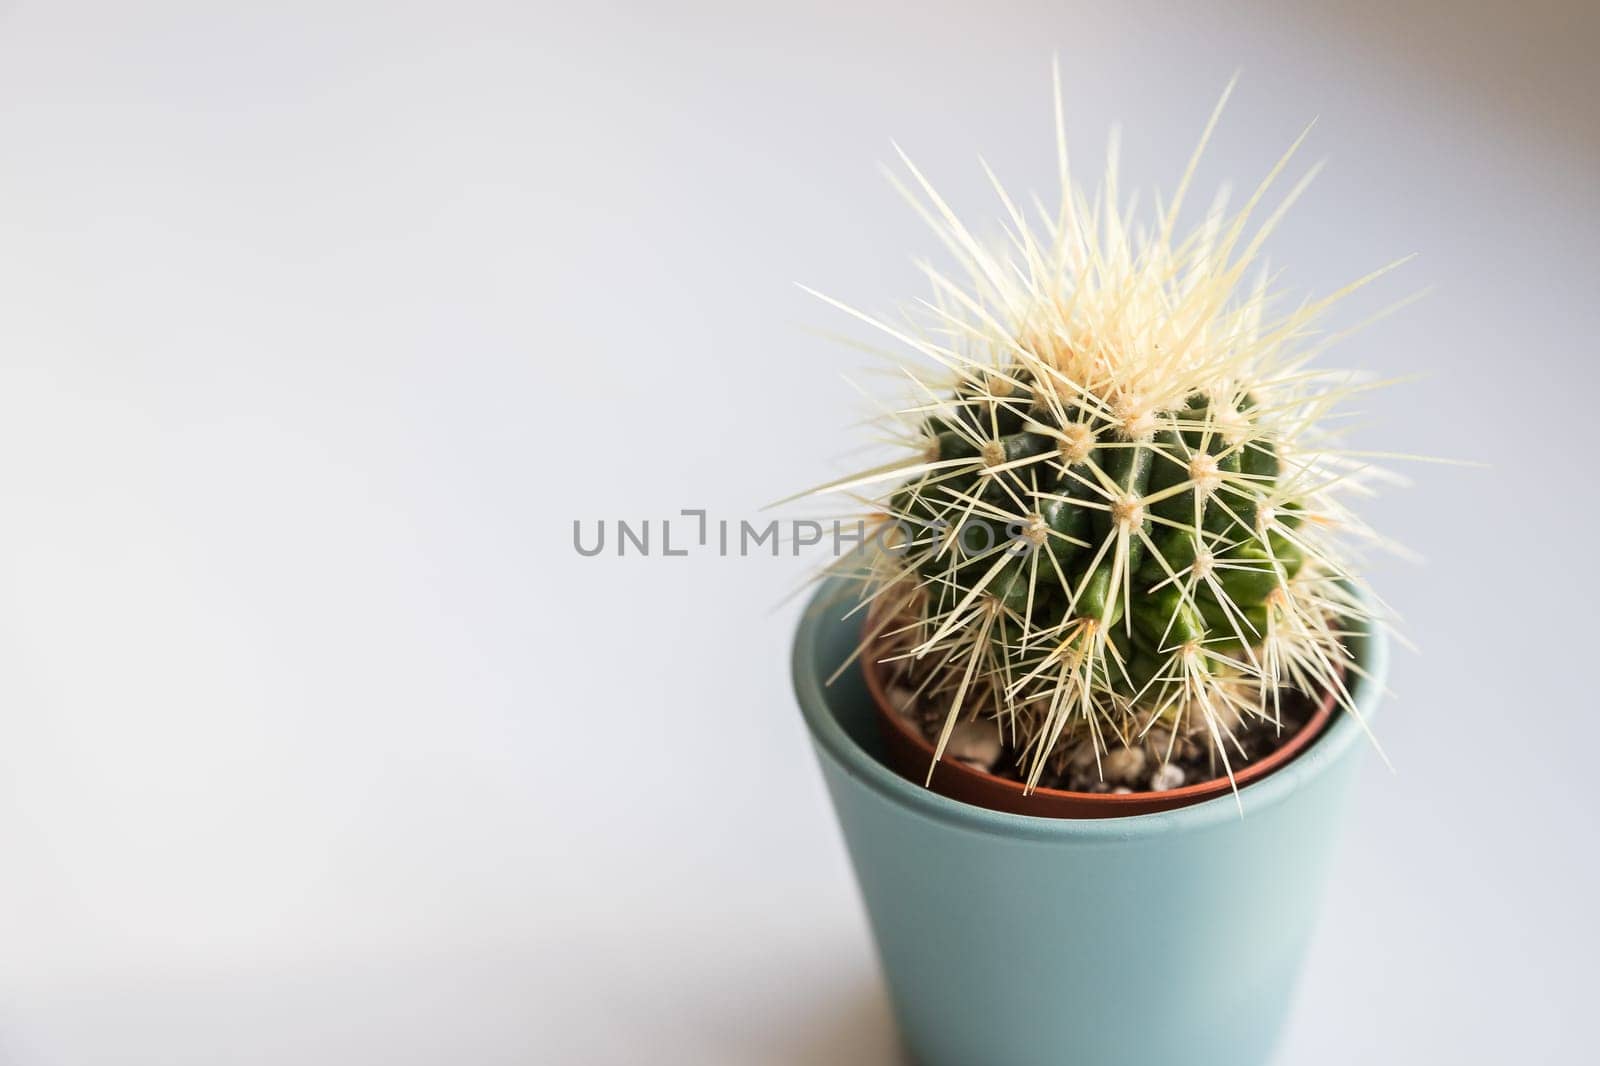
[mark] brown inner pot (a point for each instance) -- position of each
(910, 754)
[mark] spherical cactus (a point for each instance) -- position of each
(1120, 525)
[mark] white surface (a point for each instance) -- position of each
(320, 324)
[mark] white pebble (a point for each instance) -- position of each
(1167, 776)
(903, 700)
(1124, 765)
(977, 743)
(1082, 756)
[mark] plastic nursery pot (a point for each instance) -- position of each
(910, 754)
(1012, 940)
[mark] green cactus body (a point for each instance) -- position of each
(1183, 469)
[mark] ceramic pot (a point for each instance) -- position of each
(1011, 940)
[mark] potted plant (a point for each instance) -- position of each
(1089, 700)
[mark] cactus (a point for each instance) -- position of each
(1120, 526)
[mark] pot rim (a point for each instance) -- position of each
(831, 606)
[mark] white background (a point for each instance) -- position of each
(320, 323)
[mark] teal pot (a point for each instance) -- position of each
(1010, 940)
